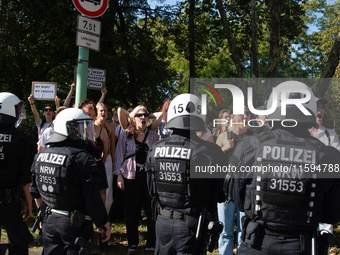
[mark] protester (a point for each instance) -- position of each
(124, 115)
(132, 148)
(227, 141)
(48, 132)
(326, 135)
(47, 117)
(222, 126)
(98, 148)
(110, 129)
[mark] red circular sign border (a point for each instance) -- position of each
(89, 13)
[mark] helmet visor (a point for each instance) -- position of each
(81, 130)
(20, 113)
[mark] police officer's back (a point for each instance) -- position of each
(16, 155)
(283, 199)
(179, 199)
(66, 178)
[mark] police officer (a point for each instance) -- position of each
(179, 200)
(275, 185)
(16, 155)
(66, 178)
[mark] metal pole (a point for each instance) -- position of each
(82, 72)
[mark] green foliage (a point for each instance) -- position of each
(145, 51)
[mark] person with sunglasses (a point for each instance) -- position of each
(131, 152)
(237, 131)
(124, 117)
(47, 116)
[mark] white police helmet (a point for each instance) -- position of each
(184, 112)
(12, 109)
(74, 124)
(304, 97)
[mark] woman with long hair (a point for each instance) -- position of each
(131, 152)
(47, 117)
(224, 114)
(102, 113)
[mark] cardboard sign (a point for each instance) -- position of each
(96, 78)
(44, 90)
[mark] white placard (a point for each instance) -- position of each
(44, 90)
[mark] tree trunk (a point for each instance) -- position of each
(255, 54)
(329, 69)
(274, 43)
(192, 64)
(254, 46)
(231, 41)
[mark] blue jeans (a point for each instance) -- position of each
(226, 214)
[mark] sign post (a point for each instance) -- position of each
(93, 9)
(83, 64)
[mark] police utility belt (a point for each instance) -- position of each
(172, 214)
(251, 227)
(77, 218)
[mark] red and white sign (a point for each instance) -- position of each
(91, 8)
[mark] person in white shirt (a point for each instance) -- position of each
(47, 132)
(326, 135)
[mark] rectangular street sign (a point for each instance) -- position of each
(87, 41)
(89, 25)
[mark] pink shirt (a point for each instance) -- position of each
(126, 147)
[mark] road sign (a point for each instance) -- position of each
(91, 8)
(96, 78)
(89, 25)
(87, 41)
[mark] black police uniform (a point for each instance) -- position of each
(16, 155)
(282, 204)
(65, 176)
(180, 198)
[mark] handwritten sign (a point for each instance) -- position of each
(96, 78)
(44, 90)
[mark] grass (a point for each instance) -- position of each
(118, 244)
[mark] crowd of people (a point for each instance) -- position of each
(127, 178)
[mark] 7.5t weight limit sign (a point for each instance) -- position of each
(89, 25)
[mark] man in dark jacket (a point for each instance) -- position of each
(284, 182)
(16, 155)
(65, 178)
